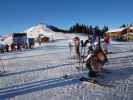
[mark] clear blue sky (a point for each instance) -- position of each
(18, 15)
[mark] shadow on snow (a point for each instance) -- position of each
(120, 74)
(34, 87)
(34, 70)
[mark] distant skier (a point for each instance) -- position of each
(18, 47)
(13, 47)
(70, 48)
(7, 48)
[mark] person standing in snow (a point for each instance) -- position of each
(90, 44)
(89, 54)
(95, 58)
(70, 48)
(77, 47)
(7, 48)
(106, 43)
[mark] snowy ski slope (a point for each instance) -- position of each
(38, 74)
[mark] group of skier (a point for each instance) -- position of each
(96, 56)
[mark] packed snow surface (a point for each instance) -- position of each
(37, 74)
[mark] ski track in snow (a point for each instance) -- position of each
(37, 75)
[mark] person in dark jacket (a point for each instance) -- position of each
(95, 58)
(7, 48)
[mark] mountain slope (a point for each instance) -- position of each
(56, 29)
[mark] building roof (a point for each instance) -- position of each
(115, 30)
(131, 28)
(118, 29)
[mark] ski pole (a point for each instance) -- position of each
(82, 53)
(70, 48)
(83, 58)
(2, 65)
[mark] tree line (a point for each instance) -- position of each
(125, 25)
(86, 29)
(89, 30)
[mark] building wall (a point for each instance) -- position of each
(120, 33)
(114, 34)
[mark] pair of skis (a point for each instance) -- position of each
(89, 80)
(95, 81)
